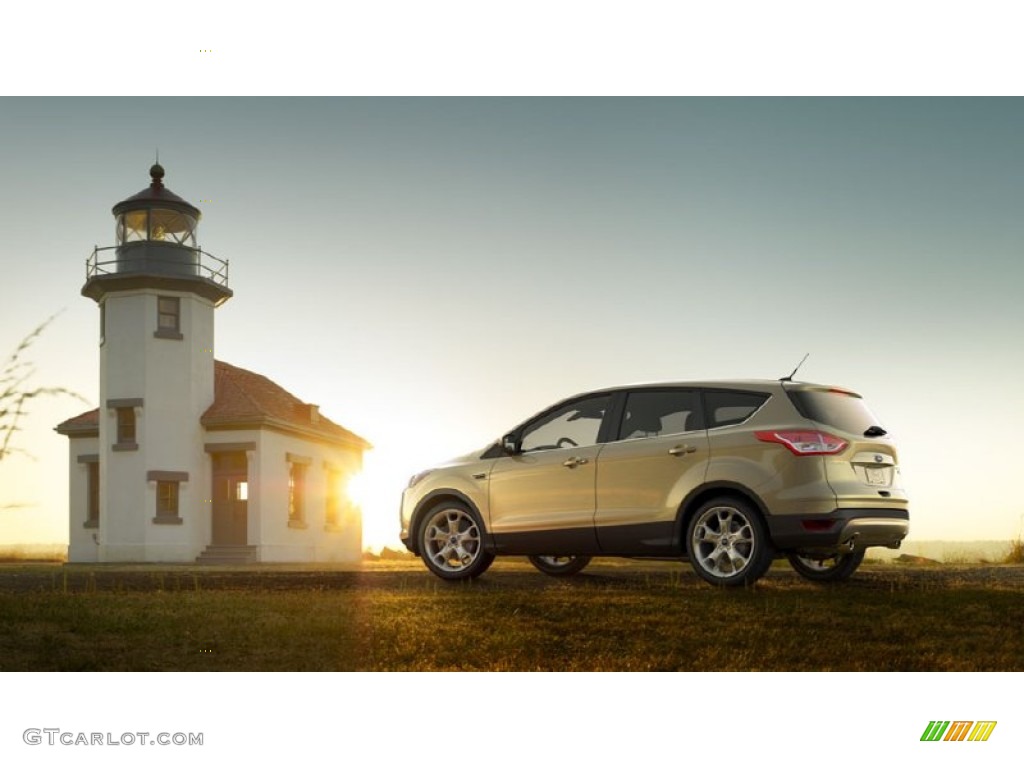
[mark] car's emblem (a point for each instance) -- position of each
(879, 459)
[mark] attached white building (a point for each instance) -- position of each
(188, 457)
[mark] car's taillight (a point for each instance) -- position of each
(804, 442)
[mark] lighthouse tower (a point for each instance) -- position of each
(157, 293)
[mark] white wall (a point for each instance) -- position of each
(315, 542)
(175, 380)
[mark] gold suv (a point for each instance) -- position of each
(726, 474)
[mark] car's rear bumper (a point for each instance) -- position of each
(841, 529)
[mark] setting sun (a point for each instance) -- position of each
(357, 490)
(378, 491)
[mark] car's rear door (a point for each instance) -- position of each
(659, 456)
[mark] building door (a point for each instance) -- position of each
(230, 499)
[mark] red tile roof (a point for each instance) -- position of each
(83, 425)
(243, 399)
(246, 400)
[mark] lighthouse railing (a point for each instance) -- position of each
(117, 259)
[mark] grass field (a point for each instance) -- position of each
(616, 615)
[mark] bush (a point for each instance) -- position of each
(1016, 554)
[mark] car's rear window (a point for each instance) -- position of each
(724, 409)
(833, 408)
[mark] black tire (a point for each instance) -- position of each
(559, 565)
(727, 543)
(451, 542)
(825, 569)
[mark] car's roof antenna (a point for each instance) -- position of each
(790, 377)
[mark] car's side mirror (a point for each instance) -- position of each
(510, 444)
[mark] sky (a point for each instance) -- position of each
(432, 271)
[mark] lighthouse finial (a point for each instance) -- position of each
(156, 172)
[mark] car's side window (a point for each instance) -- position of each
(573, 425)
(728, 408)
(652, 414)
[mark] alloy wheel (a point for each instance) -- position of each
(723, 541)
(451, 540)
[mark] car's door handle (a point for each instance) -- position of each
(679, 450)
(574, 461)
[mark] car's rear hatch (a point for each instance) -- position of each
(866, 472)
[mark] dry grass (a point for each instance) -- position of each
(1015, 555)
(42, 553)
(614, 616)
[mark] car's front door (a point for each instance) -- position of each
(659, 456)
(542, 499)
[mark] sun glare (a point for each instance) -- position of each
(378, 488)
(358, 491)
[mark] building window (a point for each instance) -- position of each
(103, 323)
(333, 508)
(168, 318)
(92, 509)
(296, 492)
(126, 426)
(167, 495)
(297, 466)
(166, 499)
(169, 313)
(125, 433)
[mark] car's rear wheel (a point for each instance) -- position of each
(728, 544)
(559, 565)
(826, 568)
(451, 542)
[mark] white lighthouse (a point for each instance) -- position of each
(157, 294)
(187, 456)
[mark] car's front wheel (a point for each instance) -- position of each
(451, 542)
(559, 565)
(826, 568)
(728, 544)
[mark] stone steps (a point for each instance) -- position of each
(227, 555)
